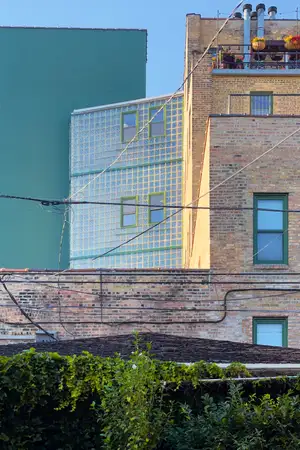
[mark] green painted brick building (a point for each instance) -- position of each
(45, 74)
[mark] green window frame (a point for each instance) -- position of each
(258, 232)
(134, 200)
(262, 96)
(156, 121)
(270, 321)
(152, 209)
(134, 128)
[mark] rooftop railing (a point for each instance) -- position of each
(239, 57)
(264, 104)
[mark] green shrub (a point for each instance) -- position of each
(239, 424)
(86, 402)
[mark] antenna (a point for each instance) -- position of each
(218, 17)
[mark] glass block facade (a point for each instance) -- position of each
(148, 172)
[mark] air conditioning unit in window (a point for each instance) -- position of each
(40, 336)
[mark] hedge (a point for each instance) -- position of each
(86, 402)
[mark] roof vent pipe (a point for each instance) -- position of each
(272, 11)
(238, 15)
(254, 15)
(260, 20)
(247, 40)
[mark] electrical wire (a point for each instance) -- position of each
(55, 203)
(12, 297)
(159, 109)
(266, 152)
(165, 103)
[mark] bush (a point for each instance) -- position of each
(86, 402)
(262, 423)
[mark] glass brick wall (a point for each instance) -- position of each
(152, 164)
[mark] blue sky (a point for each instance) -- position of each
(164, 20)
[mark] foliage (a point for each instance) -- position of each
(237, 370)
(263, 423)
(85, 402)
(258, 39)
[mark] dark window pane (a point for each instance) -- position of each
(156, 215)
(159, 117)
(157, 129)
(270, 220)
(129, 206)
(157, 199)
(129, 120)
(129, 133)
(129, 219)
(269, 334)
(269, 247)
(261, 105)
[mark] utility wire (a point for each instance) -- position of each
(54, 203)
(201, 196)
(164, 104)
(158, 110)
(12, 297)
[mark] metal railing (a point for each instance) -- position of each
(240, 57)
(264, 104)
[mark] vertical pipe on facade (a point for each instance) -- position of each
(272, 11)
(247, 40)
(260, 20)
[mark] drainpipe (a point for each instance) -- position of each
(260, 20)
(247, 40)
(272, 11)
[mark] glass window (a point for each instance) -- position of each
(269, 331)
(129, 212)
(270, 229)
(261, 103)
(156, 210)
(157, 126)
(129, 126)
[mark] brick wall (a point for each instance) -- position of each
(223, 86)
(90, 307)
(234, 142)
(206, 93)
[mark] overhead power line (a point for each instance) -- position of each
(164, 104)
(266, 152)
(24, 313)
(47, 202)
(151, 119)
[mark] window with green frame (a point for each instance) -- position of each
(261, 103)
(129, 125)
(156, 210)
(270, 331)
(157, 126)
(270, 229)
(129, 212)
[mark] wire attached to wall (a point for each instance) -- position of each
(14, 300)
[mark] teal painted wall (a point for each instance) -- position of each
(46, 74)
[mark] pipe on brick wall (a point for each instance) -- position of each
(260, 9)
(247, 38)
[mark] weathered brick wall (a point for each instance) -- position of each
(206, 93)
(119, 302)
(223, 86)
(236, 141)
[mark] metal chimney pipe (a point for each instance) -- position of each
(272, 11)
(247, 39)
(260, 20)
(238, 15)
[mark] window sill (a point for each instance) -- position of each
(272, 266)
